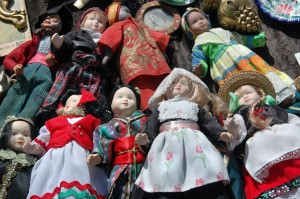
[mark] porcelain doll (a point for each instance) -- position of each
(15, 165)
(182, 162)
(120, 143)
(224, 52)
(32, 66)
(138, 51)
(80, 60)
(64, 143)
(268, 142)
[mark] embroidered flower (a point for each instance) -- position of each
(141, 184)
(151, 157)
(220, 176)
(169, 159)
(200, 154)
(199, 182)
(155, 189)
(177, 188)
(284, 9)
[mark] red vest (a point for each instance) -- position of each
(62, 132)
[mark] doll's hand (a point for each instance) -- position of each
(18, 69)
(197, 70)
(233, 128)
(93, 159)
(107, 55)
(50, 60)
(226, 137)
(141, 139)
(30, 148)
(57, 40)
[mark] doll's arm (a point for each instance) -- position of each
(93, 159)
(39, 145)
(142, 139)
(57, 40)
(237, 127)
(199, 63)
(107, 55)
(31, 148)
(251, 41)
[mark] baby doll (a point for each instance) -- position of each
(219, 49)
(119, 142)
(81, 62)
(181, 158)
(32, 66)
(139, 50)
(268, 137)
(15, 165)
(64, 143)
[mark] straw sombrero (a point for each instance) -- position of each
(242, 78)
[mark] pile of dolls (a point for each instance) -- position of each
(98, 112)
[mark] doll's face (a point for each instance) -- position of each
(179, 87)
(198, 23)
(124, 13)
(95, 21)
(52, 22)
(20, 133)
(72, 102)
(124, 102)
(247, 95)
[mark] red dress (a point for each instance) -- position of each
(141, 61)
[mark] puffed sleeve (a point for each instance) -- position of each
(43, 139)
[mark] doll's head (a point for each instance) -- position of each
(125, 100)
(94, 19)
(59, 19)
(181, 82)
(15, 132)
(117, 11)
(195, 22)
(246, 88)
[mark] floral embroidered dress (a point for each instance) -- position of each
(114, 141)
(62, 172)
(182, 158)
(219, 50)
(271, 156)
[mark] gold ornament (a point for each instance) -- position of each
(236, 15)
(17, 17)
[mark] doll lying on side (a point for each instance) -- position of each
(119, 143)
(223, 53)
(64, 143)
(15, 165)
(79, 58)
(268, 140)
(181, 158)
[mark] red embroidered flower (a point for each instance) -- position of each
(198, 149)
(155, 189)
(169, 156)
(220, 177)
(151, 157)
(177, 188)
(199, 182)
(141, 184)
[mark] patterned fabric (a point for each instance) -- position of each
(44, 45)
(179, 153)
(25, 97)
(122, 176)
(219, 50)
(81, 73)
(281, 10)
(63, 171)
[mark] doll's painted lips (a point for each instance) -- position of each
(124, 103)
(20, 142)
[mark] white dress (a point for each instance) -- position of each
(64, 173)
(183, 158)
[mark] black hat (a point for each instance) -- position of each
(65, 15)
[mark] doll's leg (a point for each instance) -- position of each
(37, 91)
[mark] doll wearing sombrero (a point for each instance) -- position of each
(138, 51)
(269, 140)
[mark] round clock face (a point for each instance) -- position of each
(159, 17)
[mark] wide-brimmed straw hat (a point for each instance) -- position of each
(245, 78)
